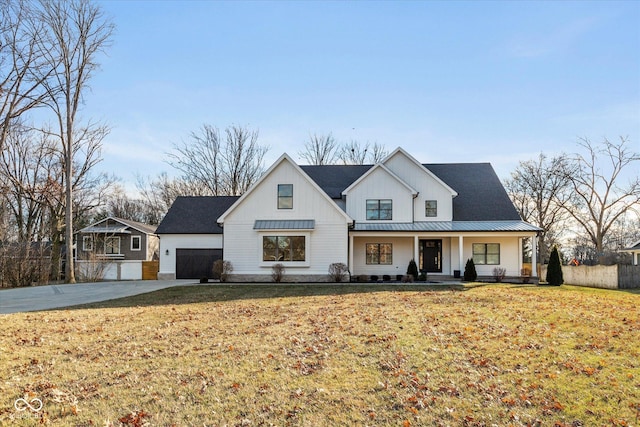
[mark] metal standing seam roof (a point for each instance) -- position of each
(447, 226)
(120, 229)
(284, 224)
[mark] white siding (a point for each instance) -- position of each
(429, 188)
(402, 254)
(326, 243)
(509, 254)
(171, 242)
(379, 184)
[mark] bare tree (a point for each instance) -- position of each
(242, 160)
(212, 165)
(539, 188)
(158, 194)
(200, 160)
(354, 153)
(76, 33)
(26, 167)
(378, 153)
(320, 150)
(24, 66)
(600, 198)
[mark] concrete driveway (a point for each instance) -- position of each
(38, 298)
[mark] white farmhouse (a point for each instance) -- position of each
(373, 218)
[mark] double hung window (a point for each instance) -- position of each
(379, 209)
(379, 253)
(486, 253)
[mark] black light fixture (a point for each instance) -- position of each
(166, 252)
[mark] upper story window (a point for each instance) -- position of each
(285, 196)
(379, 209)
(87, 243)
(431, 208)
(136, 243)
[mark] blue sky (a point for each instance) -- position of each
(453, 81)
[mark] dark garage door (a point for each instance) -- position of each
(196, 263)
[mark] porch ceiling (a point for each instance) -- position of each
(447, 226)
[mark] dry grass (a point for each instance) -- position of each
(328, 355)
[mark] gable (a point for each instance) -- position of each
(481, 196)
(378, 176)
(112, 224)
(260, 201)
(415, 174)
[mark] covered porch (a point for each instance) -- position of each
(387, 249)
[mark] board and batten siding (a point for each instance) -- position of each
(509, 253)
(171, 242)
(428, 187)
(379, 184)
(326, 243)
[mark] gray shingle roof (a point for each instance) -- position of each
(481, 196)
(195, 215)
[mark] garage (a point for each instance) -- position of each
(196, 263)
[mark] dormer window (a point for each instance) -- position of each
(379, 209)
(431, 208)
(285, 196)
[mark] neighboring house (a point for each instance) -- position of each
(634, 250)
(373, 218)
(115, 249)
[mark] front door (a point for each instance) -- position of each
(431, 256)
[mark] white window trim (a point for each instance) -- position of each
(292, 208)
(87, 247)
(287, 264)
(139, 239)
(119, 246)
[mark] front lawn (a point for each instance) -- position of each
(329, 355)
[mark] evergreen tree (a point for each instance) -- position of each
(412, 269)
(554, 269)
(470, 274)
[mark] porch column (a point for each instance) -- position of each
(534, 256)
(460, 254)
(416, 251)
(350, 255)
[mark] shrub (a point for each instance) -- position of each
(422, 277)
(363, 278)
(221, 270)
(412, 269)
(277, 272)
(407, 278)
(499, 273)
(470, 274)
(554, 269)
(337, 270)
(204, 280)
(386, 277)
(374, 278)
